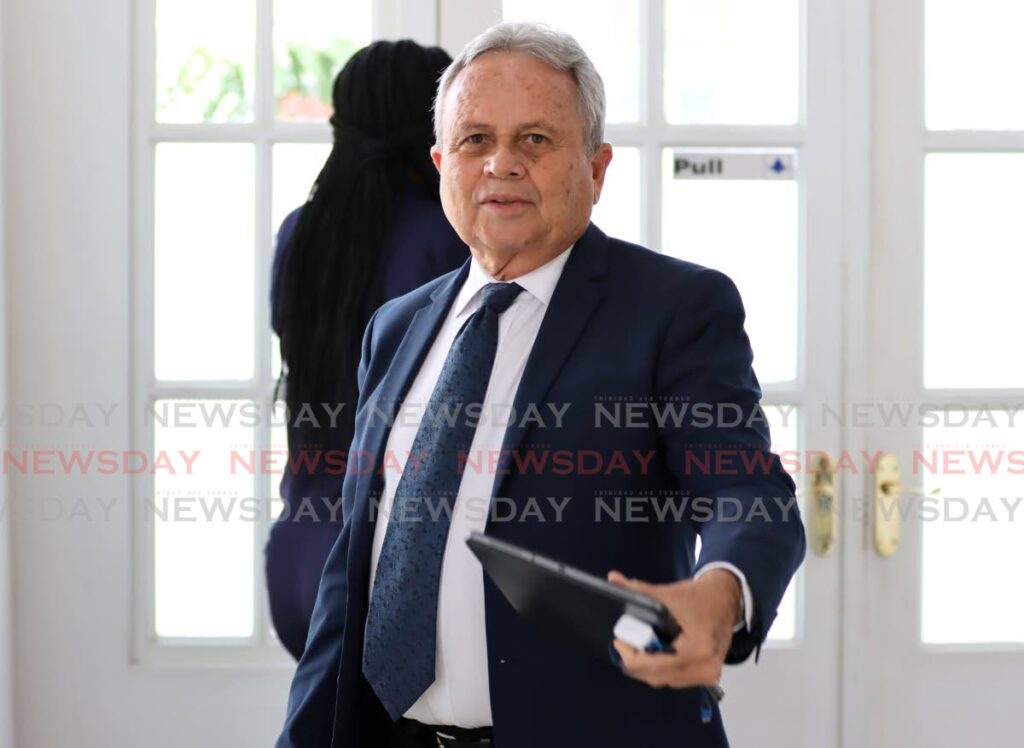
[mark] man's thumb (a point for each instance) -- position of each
(617, 577)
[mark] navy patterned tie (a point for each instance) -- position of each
(401, 624)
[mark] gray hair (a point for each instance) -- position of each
(556, 48)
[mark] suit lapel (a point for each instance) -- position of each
(576, 296)
(406, 363)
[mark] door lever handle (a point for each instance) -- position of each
(823, 519)
(888, 490)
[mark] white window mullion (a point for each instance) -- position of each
(652, 35)
(235, 132)
(803, 96)
(726, 136)
(264, 104)
(263, 258)
(141, 486)
(967, 141)
(265, 111)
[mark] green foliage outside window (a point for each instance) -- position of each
(216, 86)
(310, 72)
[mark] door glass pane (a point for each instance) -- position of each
(732, 61)
(785, 443)
(313, 39)
(608, 30)
(974, 64)
(296, 166)
(974, 232)
(973, 537)
(205, 60)
(203, 513)
(748, 229)
(203, 261)
(617, 213)
(784, 427)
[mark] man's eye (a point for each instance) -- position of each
(536, 138)
(475, 139)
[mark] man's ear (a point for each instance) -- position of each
(599, 167)
(435, 156)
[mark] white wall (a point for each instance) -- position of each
(67, 94)
(6, 621)
(6, 604)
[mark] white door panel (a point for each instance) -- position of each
(946, 652)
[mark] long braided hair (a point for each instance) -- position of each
(382, 136)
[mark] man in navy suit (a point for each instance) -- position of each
(606, 376)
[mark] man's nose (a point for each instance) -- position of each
(505, 162)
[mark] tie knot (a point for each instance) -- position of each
(499, 296)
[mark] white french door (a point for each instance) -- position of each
(944, 650)
(754, 89)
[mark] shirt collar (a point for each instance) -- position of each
(539, 282)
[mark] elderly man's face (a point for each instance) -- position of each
(515, 173)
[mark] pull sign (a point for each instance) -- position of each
(706, 164)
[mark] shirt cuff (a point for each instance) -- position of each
(744, 619)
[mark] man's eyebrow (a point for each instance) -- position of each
(463, 126)
(538, 125)
(534, 125)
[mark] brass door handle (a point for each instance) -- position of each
(823, 519)
(888, 490)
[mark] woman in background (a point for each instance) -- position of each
(372, 229)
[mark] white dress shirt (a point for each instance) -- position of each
(460, 694)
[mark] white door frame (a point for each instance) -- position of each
(856, 84)
(391, 19)
(6, 557)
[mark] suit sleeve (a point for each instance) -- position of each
(742, 502)
(313, 695)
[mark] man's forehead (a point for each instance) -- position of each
(481, 91)
(478, 77)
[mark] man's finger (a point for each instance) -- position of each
(644, 663)
(616, 577)
(633, 667)
(672, 669)
(659, 675)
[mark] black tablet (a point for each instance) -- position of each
(573, 606)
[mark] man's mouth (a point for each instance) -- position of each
(505, 200)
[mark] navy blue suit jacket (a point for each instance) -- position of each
(624, 324)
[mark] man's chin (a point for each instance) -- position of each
(509, 243)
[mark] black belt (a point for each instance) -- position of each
(448, 736)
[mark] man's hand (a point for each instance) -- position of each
(706, 611)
